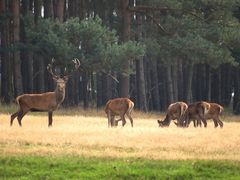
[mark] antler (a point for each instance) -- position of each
(49, 68)
(76, 66)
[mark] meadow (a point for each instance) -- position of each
(80, 138)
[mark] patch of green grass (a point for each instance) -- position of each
(69, 167)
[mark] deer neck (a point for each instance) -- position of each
(60, 95)
(167, 120)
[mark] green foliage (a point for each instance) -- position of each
(96, 45)
(69, 167)
(202, 31)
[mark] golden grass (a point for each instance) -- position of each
(89, 135)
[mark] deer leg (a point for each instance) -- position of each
(13, 116)
(130, 118)
(21, 114)
(194, 122)
(123, 120)
(217, 121)
(199, 123)
(220, 122)
(109, 118)
(112, 120)
(204, 122)
(201, 116)
(50, 118)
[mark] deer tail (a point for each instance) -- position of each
(221, 109)
(206, 108)
(130, 106)
(17, 99)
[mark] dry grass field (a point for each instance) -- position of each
(89, 135)
(86, 133)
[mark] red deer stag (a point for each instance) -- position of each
(202, 111)
(45, 102)
(174, 111)
(120, 107)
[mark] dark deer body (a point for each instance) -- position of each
(45, 102)
(213, 113)
(119, 107)
(195, 113)
(201, 111)
(174, 111)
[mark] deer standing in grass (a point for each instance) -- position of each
(174, 111)
(44, 102)
(120, 107)
(201, 111)
(213, 113)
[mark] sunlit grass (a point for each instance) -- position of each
(86, 133)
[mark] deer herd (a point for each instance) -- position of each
(198, 112)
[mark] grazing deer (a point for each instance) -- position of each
(120, 107)
(44, 102)
(202, 111)
(174, 111)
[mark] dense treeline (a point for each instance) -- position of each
(155, 52)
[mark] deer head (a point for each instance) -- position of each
(61, 82)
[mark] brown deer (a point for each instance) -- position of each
(174, 111)
(195, 113)
(120, 107)
(213, 113)
(44, 102)
(201, 111)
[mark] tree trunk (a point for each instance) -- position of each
(236, 97)
(99, 90)
(155, 88)
(141, 85)
(59, 14)
(126, 20)
(48, 8)
(180, 79)
(141, 89)
(175, 82)
(6, 75)
(16, 54)
(188, 85)
(169, 84)
(86, 90)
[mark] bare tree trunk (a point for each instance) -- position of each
(48, 8)
(141, 85)
(126, 20)
(141, 89)
(16, 55)
(99, 90)
(60, 10)
(6, 75)
(209, 83)
(180, 80)
(236, 97)
(175, 82)
(169, 84)
(155, 88)
(188, 85)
